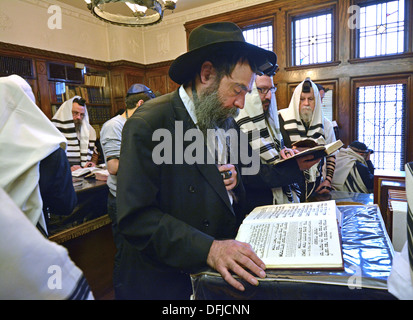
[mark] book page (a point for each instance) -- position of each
(290, 211)
(302, 236)
(334, 146)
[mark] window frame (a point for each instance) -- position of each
(259, 24)
(408, 42)
(385, 80)
(305, 13)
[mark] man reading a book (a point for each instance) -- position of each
(304, 119)
(72, 120)
(179, 217)
(272, 184)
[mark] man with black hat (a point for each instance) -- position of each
(178, 215)
(354, 170)
(110, 139)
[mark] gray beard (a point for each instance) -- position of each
(210, 112)
(306, 117)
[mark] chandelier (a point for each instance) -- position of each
(144, 12)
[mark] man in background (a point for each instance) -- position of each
(110, 139)
(272, 184)
(354, 169)
(304, 119)
(73, 121)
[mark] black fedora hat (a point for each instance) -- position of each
(218, 37)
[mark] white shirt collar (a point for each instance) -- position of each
(188, 103)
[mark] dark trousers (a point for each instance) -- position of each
(118, 239)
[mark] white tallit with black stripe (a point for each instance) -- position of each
(30, 262)
(26, 137)
(346, 166)
(269, 142)
(320, 128)
(79, 147)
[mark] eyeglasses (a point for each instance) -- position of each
(75, 114)
(265, 90)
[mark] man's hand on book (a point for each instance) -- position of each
(231, 255)
(306, 162)
(286, 153)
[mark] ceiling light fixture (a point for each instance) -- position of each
(144, 12)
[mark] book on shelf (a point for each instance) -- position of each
(318, 151)
(295, 236)
(95, 80)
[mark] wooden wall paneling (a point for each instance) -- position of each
(158, 78)
(132, 78)
(117, 84)
(158, 84)
(172, 85)
(123, 75)
(118, 104)
(344, 111)
(43, 94)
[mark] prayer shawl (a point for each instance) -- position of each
(400, 281)
(269, 142)
(409, 195)
(346, 166)
(320, 128)
(26, 137)
(79, 149)
(33, 267)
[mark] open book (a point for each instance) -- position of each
(318, 151)
(295, 236)
(95, 172)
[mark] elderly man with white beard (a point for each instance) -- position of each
(304, 119)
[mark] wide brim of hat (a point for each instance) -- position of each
(185, 66)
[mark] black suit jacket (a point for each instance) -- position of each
(169, 213)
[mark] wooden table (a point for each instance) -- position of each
(90, 241)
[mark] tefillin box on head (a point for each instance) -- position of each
(307, 86)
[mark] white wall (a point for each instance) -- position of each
(27, 23)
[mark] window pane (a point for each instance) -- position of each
(312, 39)
(260, 36)
(381, 29)
(381, 112)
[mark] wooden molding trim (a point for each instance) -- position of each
(49, 55)
(80, 230)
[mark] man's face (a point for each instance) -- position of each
(78, 113)
(264, 83)
(322, 94)
(233, 88)
(221, 100)
(307, 105)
